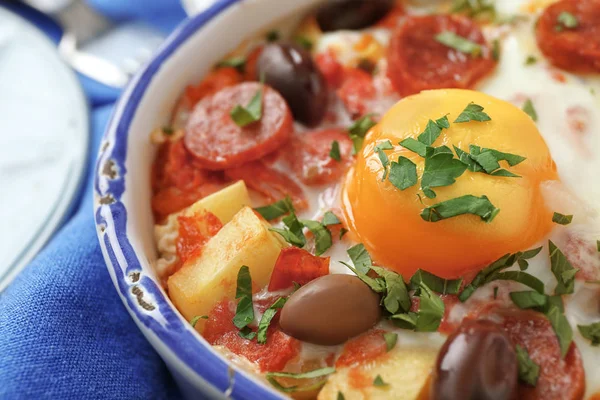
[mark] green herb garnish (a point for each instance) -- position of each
(468, 204)
(305, 42)
(247, 333)
(473, 112)
(396, 296)
(403, 174)
(566, 20)
(459, 43)
(323, 240)
(360, 258)
(266, 319)
(441, 168)
(591, 332)
(562, 269)
(272, 36)
(358, 131)
(414, 146)
(431, 310)
(244, 116)
(390, 340)
(435, 283)
(529, 299)
(378, 381)
(379, 149)
(335, 151)
(293, 231)
(197, 318)
(305, 375)
(529, 371)
(530, 60)
(340, 396)
(329, 218)
(496, 50)
(433, 130)
(238, 63)
(277, 209)
(343, 231)
(530, 110)
(561, 327)
(562, 219)
(244, 313)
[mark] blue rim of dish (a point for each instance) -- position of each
(135, 287)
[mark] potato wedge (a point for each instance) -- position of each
(224, 204)
(404, 369)
(208, 279)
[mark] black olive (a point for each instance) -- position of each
(291, 71)
(351, 14)
(477, 362)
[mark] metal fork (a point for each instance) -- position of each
(108, 53)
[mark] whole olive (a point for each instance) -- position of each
(477, 362)
(351, 14)
(330, 310)
(290, 70)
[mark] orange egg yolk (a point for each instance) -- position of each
(388, 220)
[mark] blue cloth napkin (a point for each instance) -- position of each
(64, 333)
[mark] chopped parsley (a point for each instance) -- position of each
(379, 149)
(433, 130)
(396, 297)
(266, 319)
(244, 313)
(496, 50)
(335, 151)
(475, 8)
(238, 63)
(459, 43)
(304, 42)
(358, 130)
(390, 340)
(168, 131)
(292, 233)
(329, 218)
(441, 169)
(272, 36)
(566, 20)
(473, 112)
(488, 160)
(562, 269)
(360, 258)
(435, 283)
(378, 381)
(468, 204)
(530, 60)
(591, 332)
(403, 173)
(197, 318)
(415, 146)
(529, 299)
(431, 310)
(340, 396)
(343, 231)
(244, 116)
(317, 373)
(530, 110)
(529, 371)
(323, 240)
(562, 219)
(561, 327)
(494, 272)
(277, 209)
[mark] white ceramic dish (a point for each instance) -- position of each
(122, 190)
(44, 143)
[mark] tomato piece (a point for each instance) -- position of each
(560, 378)
(310, 160)
(363, 348)
(218, 79)
(393, 18)
(330, 68)
(573, 49)
(297, 265)
(271, 356)
(217, 142)
(250, 73)
(356, 90)
(194, 232)
(417, 61)
(269, 183)
(177, 183)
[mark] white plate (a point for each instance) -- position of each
(43, 145)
